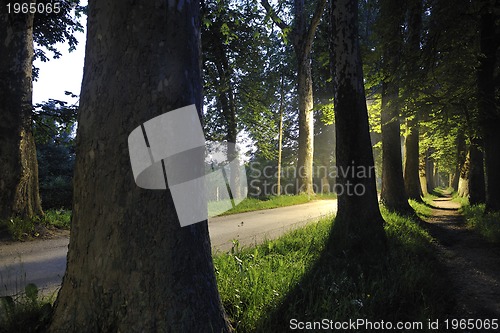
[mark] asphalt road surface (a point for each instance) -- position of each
(43, 262)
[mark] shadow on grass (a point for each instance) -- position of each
(408, 284)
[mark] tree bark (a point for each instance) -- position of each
(461, 154)
(488, 103)
(130, 266)
(429, 171)
(422, 173)
(393, 194)
(463, 182)
(411, 155)
(477, 193)
(306, 123)
(19, 194)
(358, 227)
(411, 161)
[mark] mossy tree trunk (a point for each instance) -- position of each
(19, 194)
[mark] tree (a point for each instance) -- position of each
(411, 147)
(131, 267)
(18, 165)
(393, 194)
(358, 226)
(488, 78)
(19, 192)
(302, 36)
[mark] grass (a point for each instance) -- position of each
(26, 312)
(252, 204)
(24, 228)
(262, 288)
(488, 225)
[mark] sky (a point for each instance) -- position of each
(64, 74)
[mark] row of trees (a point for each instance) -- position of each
(423, 65)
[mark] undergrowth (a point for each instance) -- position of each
(27, 312)
(19, 228)
(488, 225)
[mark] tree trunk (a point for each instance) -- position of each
(422, 173)
(358, 227)
(463, 182)
(411, 161)
(488, 105)
(393, 194)
(306, 123)
(302, 36)
(227, 102)
(19, 195)
(429, 171)
(131, 267)
(461, 154)
(477, 193)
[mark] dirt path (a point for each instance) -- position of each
(473, 264)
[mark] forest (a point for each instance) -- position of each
(384, 112)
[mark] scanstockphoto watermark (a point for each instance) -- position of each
(262, 180)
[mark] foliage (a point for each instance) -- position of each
(58, 218)
(295, 277)
(54, 127)
(19, 228)
(27, 312)
(487, 225)
(52, 28)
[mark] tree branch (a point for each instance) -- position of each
(276, 19)
(318, 12)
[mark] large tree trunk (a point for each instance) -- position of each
(411, 161)
(358, 226)
(393, 194)
(476, 188)
(131, 267)
(488, 105)
(19, 195)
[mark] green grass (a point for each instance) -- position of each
(59, 218)
(252, 204)
(24, 228)
(488, 225)
(27, 312)
(422, 209)
(262, 288)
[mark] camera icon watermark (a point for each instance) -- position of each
(170, 152)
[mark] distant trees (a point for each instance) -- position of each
(131, 267)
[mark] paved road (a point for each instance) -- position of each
(43, 262)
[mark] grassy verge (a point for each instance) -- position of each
(25, 313)
(23, 228)
(488, 225)
(263, 288)
(252, 204)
